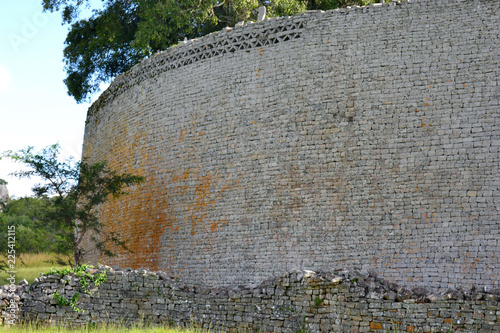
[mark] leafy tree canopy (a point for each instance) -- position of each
(3, 182)
(35, 232)
(122, 32)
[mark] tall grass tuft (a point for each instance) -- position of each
(101, 328)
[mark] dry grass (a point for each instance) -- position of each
(29, 328)
(30, 265)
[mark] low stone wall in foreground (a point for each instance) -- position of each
(301, 301)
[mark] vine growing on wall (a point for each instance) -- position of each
(86, 279)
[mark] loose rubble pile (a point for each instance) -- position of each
(301, 300)
(379, 288)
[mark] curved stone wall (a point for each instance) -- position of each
(362, 137)
(302, 301)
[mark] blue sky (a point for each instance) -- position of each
(35, 109)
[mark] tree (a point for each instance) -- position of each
(75, 189)
(35, 232)
(122, 32)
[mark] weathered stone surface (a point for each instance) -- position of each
(360, 137)
(296, 301)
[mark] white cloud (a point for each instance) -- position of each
(5, 78)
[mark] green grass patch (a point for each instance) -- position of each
(103, 328)
(30, 265)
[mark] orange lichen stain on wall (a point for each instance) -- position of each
(469, 263)
(142, 217)
(199, 195)
(88, 147)
(412, 249)
(182, 134)
(150, 219)
(110, 149)
(204, 199)
(137, 138)
(180, 176)
(169, 202)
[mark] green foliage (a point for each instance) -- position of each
(63, 301)
(36, 231)
(60, 300)
(333, 4)
(69, 195)
(279, 8)
(63, 271)
(34, 209)
(317, 302)
(122, 32)
(86, 277)
(3, 182)
(98, 48)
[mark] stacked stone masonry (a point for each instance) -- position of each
(303, 301)
(360, 137)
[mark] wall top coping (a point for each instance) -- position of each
(228, 40)
(373, 286)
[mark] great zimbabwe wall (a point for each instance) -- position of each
(362, 137)
(361, 140)
(296, 302)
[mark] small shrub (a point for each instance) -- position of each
(317, 302)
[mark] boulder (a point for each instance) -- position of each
(4, 194)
